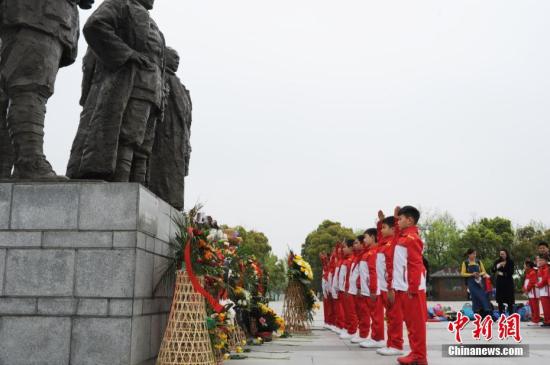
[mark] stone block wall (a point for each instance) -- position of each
(79, 262)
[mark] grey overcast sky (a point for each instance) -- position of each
(306, 110)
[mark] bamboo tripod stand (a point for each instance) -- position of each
(186, 339)
(294, 310)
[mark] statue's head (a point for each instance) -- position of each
(172, 59)
(148, 4)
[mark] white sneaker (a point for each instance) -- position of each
(371, 344)
(358, 339)
(390, 351)
(531, 324)
(343, 332)
(347, 336)
(366, 343)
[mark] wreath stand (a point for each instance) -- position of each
(294, 310)
(186, 339)
(237, 338)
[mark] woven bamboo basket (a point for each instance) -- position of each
(186, 340)
(294, 310)
(236, 338)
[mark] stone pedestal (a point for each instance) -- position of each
(78, 265)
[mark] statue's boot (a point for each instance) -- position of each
(26, 116)
(125, 155)
(7, 155)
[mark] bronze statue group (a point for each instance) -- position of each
(136, 114)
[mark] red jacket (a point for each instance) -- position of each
(530, 282)
(542, 278)
(348, 262)
(409, 273)
(356, 260)
(386, 246)
(369, 257)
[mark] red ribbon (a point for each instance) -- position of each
(259, 273)
(218, 308)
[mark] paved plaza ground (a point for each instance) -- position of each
(324, 347)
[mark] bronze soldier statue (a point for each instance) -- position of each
(169, 163)
(38, 38)
(122, 93)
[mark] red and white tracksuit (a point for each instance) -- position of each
(349, 303)
(529, 288)
(384, 273)
(338, 301)
(409, 282)
(327, 300)
(353, 291)
(370, 320)
(543, 291)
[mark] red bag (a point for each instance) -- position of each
(488, 284)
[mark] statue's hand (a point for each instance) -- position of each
(85, 4)
(141, 61)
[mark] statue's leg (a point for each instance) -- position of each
(7, 154)
(30, 69)
(143, 153)
(132, 134)
(73, 166)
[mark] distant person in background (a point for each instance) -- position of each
(543, 287)
(529, 288)
(503, 270)
(543, 248)
(474, 272)
(427, 267)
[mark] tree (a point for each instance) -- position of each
(487, 237)
(276, 269)
(254, 243)
(257, 244)
(323, 239)
(527, 239)
(441, 236)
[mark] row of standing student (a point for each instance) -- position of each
(537, 286)
(380, 271)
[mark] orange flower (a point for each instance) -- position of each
(208, 255)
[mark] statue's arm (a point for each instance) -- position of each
(88, 69)
(101, 34)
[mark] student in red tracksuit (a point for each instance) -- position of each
(332, 299)
(338, 299)
(349, 303)
(324, 286)
(388, 232)
(355, 285)
(543, 287)
(409, 283)
(371, 322)
(332, 295)
(529, 288)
